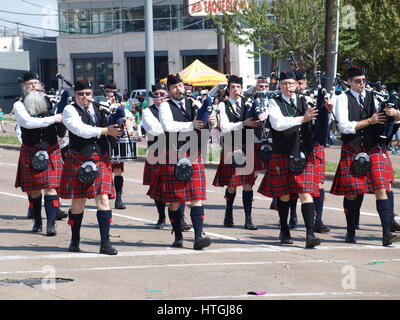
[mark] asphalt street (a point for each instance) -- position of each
(239, 261)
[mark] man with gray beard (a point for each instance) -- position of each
(40, 162)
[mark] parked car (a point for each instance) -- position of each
(133, 100)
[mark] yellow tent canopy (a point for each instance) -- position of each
(199, 74)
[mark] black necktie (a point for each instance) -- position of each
(91, 120)
(292, 104)
(182, 107)
(238, 108)
(361, 101)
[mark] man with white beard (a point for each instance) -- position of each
(40, 163)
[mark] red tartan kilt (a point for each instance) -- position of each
(320, 161)
(167, 188)
(279, 180)
(30, 179)
(150, 173)
(259, 164)
(72, 188)
(118, 165)
(380, 176)
(229, 175)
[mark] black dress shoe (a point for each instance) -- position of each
(160, 224)
(228, 220)
(201, 243)
(107, 248)
(285, 238)
(61, 214)
(178, 243)
(389, 238)
(74, 246)
(250, 226)
(321, 228)
(312, 241)
(37, 228)
(51, 229)
(293, 223)
(185, 226)
(350, 239)
(119, 204)
(394, 226)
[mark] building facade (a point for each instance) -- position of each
(104, 40)
(19, 54)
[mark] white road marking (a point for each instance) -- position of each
(282, 295)
(191, 265)
(171, 252)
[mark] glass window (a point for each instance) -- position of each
(162, 24)
(133, 20)
(103, 20)
(79, 20)
(64, 21)
(161, 11)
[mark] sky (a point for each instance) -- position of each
(42, 14)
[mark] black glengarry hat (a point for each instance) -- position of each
(234, 79)
(354, 71)
(300, 74)
(287, 74)
(174, 78)
(82, 85)
(30, 76)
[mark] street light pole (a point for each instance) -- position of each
(149, 57)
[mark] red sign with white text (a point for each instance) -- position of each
(202, 8)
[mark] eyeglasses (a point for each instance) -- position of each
(358, 81)
(86, 94)
(288, 84)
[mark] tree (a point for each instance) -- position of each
(373, 42)
(277, 27)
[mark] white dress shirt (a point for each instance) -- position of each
(276, 118)
(167, 120)
(25, 120)
(74, 123)
(342, 112)
(150, 123)
(225, 124)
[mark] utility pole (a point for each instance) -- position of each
(327, 83)
(150, 77)
(220, 49)
(336, 52)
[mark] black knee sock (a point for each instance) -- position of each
(175, 218)
(383, 207)
(350, 210)
(37, 209)
(197, 216)
(319, 206)
(50, 204)
(283, 211)
(359, 201)
(182, 213)
(118, 183)
(160, 209)
(293, 207)
(308, 211)
(75, 221)
(391, 205)
(247, 203)
(104, 219)
(230, 198)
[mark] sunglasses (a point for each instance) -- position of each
(358, 81)
(86, 94)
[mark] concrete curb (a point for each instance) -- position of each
(328, 175)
